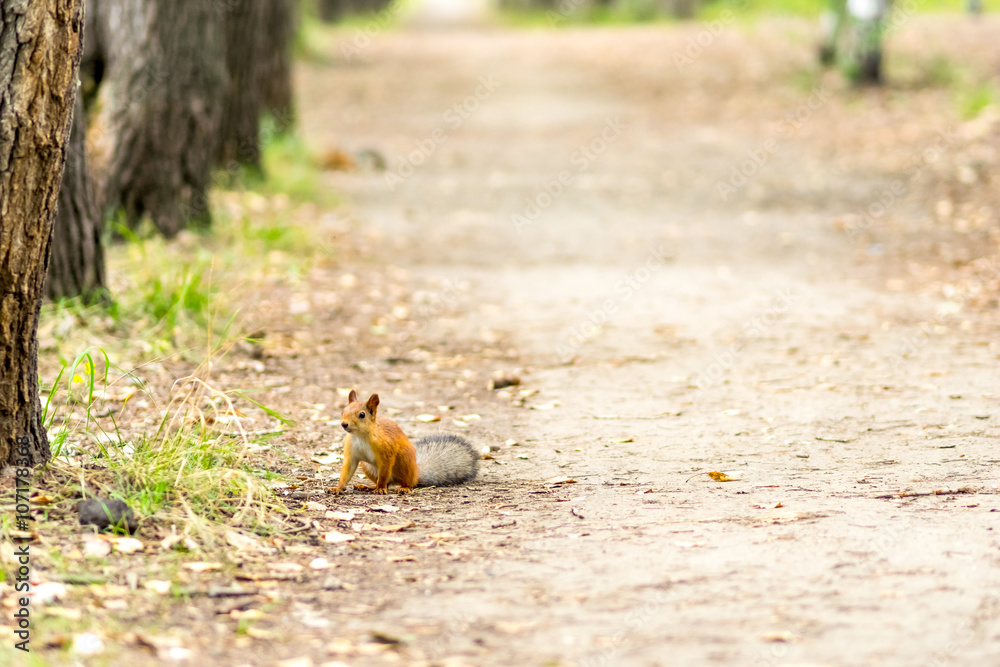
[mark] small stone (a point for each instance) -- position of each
(105, 513)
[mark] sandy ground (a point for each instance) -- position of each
(667, 333)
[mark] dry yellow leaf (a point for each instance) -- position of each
(333, 537)
(719, 476)
(202, 566)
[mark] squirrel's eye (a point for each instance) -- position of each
(361, 416)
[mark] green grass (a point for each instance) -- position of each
(184, 296)
(638, 11)
(975, 99)
(290, 169)
(191, 464)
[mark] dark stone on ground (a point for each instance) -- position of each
(105, 514)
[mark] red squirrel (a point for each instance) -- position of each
(387, 456)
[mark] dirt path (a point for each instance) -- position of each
(667, 333)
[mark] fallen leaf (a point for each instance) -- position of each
(623, 440)
(769, 507)
(260, 633)
(340, 516)
(559, 479)
(427, 418)
(470, 418)
(384, 529)
(64, 612)
(285, 567)
(511, 628)
(501, 382)
(95, 547)
(731, 413)
(781, 637)
(42, 500)
(334, 537)
(157, 586)
(244, 542)
(127, 545)
(201, 566)
(443, 536)
(719, 476)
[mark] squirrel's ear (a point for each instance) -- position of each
(352, 397)
(372, 403)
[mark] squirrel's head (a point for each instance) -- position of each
(358, 417)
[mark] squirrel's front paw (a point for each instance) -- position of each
(404, 489)
(381, 491)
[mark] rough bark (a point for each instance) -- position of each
(40, 44)
(166, 78)
(239, 141)
(275, 73)
(76, 258)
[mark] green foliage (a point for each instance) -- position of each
(974, 100)
(940, 72)
(290, 167)
(191, 464)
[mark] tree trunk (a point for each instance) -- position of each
(40, 44)
(166, 80)
(76, 258)
(331, 11)
(275, 59)
(335, 10)
(243, 104)
(95, 51)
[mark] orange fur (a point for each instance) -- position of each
(381, 448)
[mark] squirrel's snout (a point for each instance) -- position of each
(344, 424)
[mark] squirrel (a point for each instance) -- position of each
(387, 456)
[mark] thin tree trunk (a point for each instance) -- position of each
(275, 74)
(240, 132)
(40, 44)
(167, 79)
(76, 258)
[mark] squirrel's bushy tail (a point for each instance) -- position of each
(444, 460)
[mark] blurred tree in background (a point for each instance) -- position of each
(76, 258)
(336, 10)
(852, 35)
(164, 70)
(635, 9)
(175, 89)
